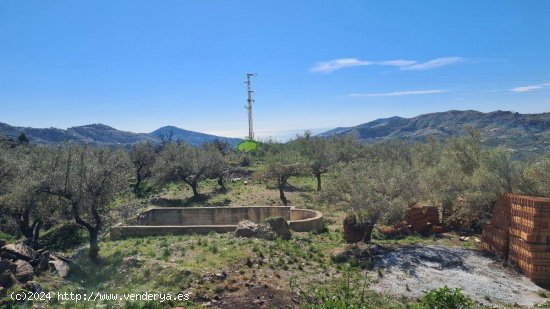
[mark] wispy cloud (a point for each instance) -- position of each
(530, 88)
(398, 93)
(337, 64)
(435, 63)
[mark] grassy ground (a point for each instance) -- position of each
(221, 267)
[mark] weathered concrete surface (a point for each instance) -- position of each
(202, 220)
(305, 220)
(210, 215)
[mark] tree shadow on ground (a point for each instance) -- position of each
(189, 202)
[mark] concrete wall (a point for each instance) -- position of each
(305, 220)
(202, 220)
(210, 215)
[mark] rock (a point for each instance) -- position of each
(19, 251)
(245, 182)
(43, 262)
(221, 275)
(132, 262)
(463, 238)
(7, 279)
(477, 240)
(246, 228)
(32, 286)
(60, 267)
(266, 232)
(374, 249)
(354, 231)
(6, 265)
(2, 243)
(24, 271)
(280, 226)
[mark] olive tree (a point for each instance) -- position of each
(318, 155)
(374, 191)
(30, 208)
(143, 158)
(280, 165)
(535, 176)
(87, 180)
(183, 162)
(496, 174)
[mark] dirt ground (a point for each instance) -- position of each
(412, 270)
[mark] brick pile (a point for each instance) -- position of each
(495, 234)
(422, 219)
(528, 235)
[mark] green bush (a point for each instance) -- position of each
(6, 237)
(348, 292)
(444, 298)
(63, 237)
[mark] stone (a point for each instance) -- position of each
(32, 286)
(43, 263)
(246, 228)
(20, 251)
(221, 275)
(280, 226)
(60, 267)
(7, 279)
(265, 232)
(6, 265)
(24, 271)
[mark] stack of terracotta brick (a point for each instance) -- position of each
(495, 234)
(422, 219)
(528, 236)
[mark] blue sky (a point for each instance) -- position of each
(139, 65)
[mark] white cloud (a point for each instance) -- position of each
(337, 64)
(530, 88)
(397, 63)
(398, 93)
(435, 63)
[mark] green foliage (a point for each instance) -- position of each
(377, 189)
(62, 237)
(245, 159)
(348, 292)
(444, 298)
(183, 162)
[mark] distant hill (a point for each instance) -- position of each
(99, 134)
(522, 132)
(191, 137)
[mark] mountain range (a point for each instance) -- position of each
(100, 134)
(522, 132)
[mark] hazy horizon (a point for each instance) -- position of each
(138, 66)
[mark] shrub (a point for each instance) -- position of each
(444, 298)
(63, 237)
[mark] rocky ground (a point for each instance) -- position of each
(412, 270)
(19, 264)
